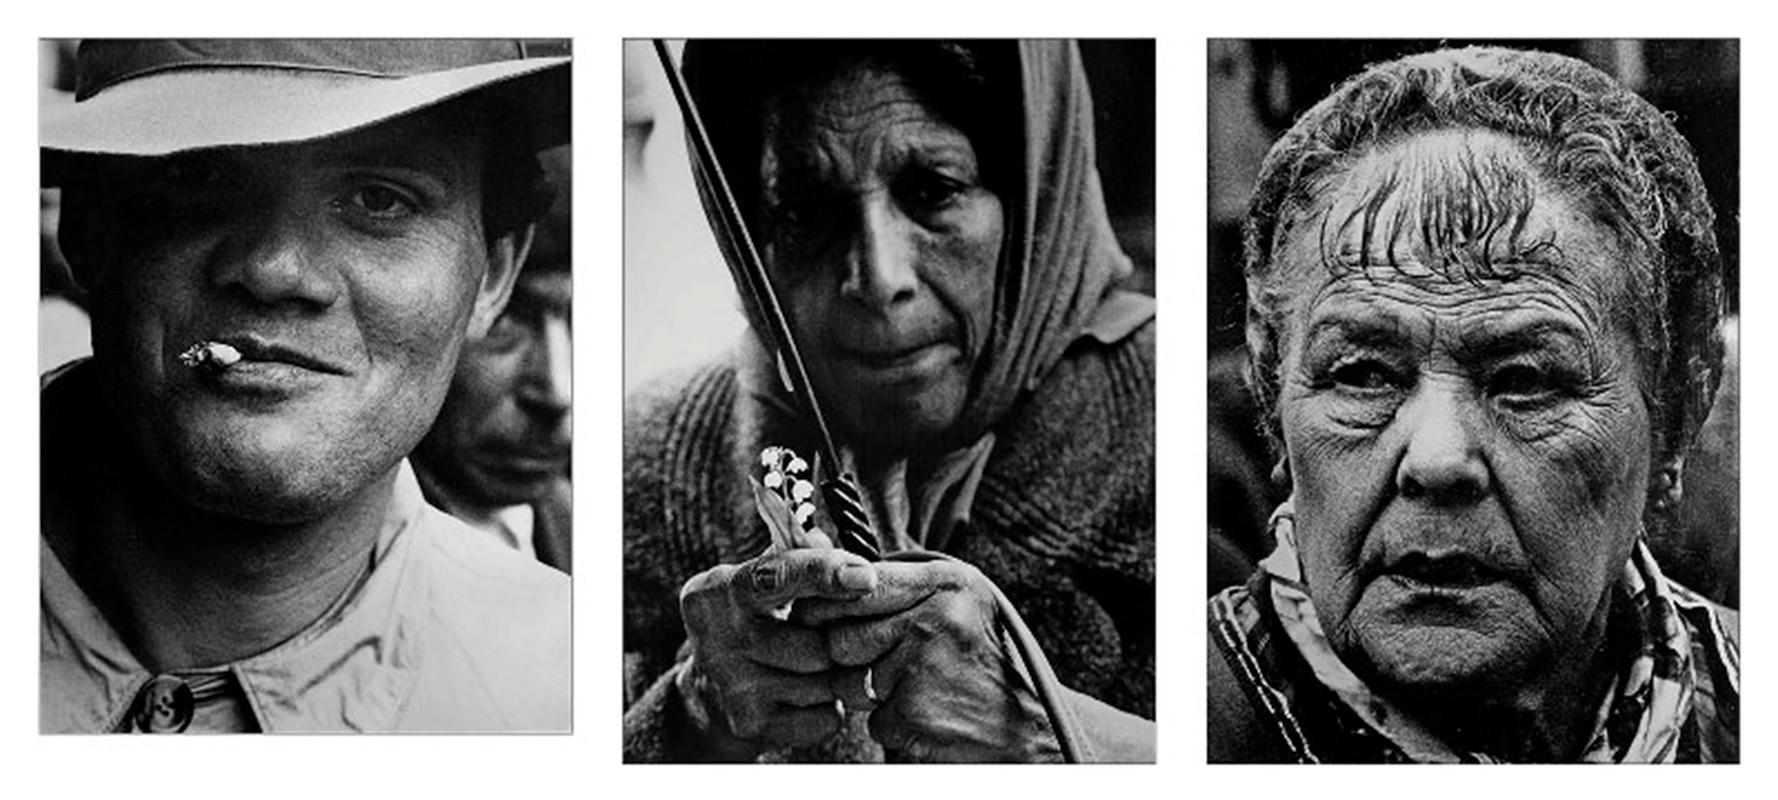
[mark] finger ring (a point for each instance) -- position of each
(767, 576)
(870, 687)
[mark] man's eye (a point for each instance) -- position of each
(193, 174)
(1365, 375)
(177, 191)
(506, 332)
(379, 201)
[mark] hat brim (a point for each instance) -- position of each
(190, 109)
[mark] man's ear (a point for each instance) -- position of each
(506, 255)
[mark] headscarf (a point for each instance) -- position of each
(1060, 259)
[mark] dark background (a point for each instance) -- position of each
(1121, 72)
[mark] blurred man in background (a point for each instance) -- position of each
(498, 457)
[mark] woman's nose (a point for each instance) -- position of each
(1442, 462)
(277, 258)
(548, 380)
(880, 265)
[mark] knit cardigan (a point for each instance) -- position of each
(1063, 522)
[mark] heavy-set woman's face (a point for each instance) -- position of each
(1470, 455)
(884, 243)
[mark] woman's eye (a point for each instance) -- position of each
(379, 201)
(802, 225)
(1365, 375)
(1521, 383)
(932, 191)
(791, 215)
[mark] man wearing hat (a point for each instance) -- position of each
(287, 245)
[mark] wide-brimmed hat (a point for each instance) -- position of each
(163, 96)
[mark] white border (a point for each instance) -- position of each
(586, 764)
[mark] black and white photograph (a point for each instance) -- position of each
(306, 393)
(1473, 430)
(889, 373)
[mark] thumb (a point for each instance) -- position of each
(777, 578)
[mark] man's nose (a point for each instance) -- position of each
(276, 257)
(1442, 461)
(548, 381)
(880, 264)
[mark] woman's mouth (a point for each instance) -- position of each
(900, 364)
(1456, 571)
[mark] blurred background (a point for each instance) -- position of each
(1257, 88)
(679, 304)
(63, 332)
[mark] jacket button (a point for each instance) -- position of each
(165, 705)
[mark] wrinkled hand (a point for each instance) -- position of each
(946, 686)
(756, 677)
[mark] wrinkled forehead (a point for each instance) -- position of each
(861, 104)
(1449, 206)
(839, 98)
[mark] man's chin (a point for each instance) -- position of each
(498, 486)
(254, 501)
(259, 488)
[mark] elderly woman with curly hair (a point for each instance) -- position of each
(1483, 304)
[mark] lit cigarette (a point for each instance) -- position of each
(214, 355)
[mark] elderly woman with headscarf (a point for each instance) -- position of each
(1483, 303)
(932, 218)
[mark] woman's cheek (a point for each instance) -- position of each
(1587, 456)
(1339, 474)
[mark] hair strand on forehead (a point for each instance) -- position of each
(1458, 214)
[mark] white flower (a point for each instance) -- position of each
(774, 480)
(801, 490)
(797, 464)
(803, 512)
(768, 457)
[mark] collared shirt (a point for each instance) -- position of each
(443, 631)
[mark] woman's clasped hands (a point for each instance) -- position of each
(781, 645)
